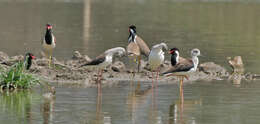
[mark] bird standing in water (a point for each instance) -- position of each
(156, 57)
(49, 43)
(136, 46)
(184, 67)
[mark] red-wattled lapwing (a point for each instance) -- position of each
(156, 57)
(105, 59)
(49, 42)
(136, 46)
(184, 67)
(28, 60)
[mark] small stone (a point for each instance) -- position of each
(76, 55)
(42, 62)
(118, 66)
(236, 64)
(3, 56)
(212, 69)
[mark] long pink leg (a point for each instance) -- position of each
(156, 85)
(157, 75)
(152, 80)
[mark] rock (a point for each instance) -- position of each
(76, 55)
(42, 62)
(118, 66)
(17, 58)
(3, 56)
(213, 69)
(236, 64)
(78, 60)
(12, 60)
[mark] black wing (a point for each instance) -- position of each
(181, 67)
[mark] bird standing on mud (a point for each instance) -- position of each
(182, 68)
(136, 46)
(28, 60)
(105, 59)
(49, 43)
(156, 57)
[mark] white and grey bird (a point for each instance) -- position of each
(105, 59)
(49, 42)
(182, 68)
(156, 57)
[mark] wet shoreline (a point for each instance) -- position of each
(69, 73)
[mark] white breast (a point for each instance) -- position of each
(47, 46)
(156, 58)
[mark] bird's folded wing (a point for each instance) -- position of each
(181, 67)
(143, 46)
(133, 48)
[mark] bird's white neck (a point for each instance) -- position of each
(195, 61)
(177, 56)
(109, 58)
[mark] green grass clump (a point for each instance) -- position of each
(16, 77)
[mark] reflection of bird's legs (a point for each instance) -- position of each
(152, 79)
(99, 102)
(99, 80)
(157, 75)
(181, 104)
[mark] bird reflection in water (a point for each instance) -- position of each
(99, 104)
(136, 97)
(154, 116)
(48, 110)
(179, 109)
(101, 118)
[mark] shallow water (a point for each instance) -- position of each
(220, 28)
(215, 102)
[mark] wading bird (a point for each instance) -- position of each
(136, 46)
(105, 59)
(184, 67)
(156, 58)
(48, 43)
